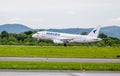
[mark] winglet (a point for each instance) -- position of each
(95, 32)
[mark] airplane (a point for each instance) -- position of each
(63, 38)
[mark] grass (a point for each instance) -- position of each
(60, 66)
(60, 51)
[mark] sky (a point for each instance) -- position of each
(45, 14)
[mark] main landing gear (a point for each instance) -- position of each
(65, 44)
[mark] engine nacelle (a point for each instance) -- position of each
(58, 41)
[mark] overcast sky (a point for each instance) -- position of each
(60, 13)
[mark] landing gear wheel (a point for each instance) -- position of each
(65, 44)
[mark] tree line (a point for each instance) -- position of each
(25, 38)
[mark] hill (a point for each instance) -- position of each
(112, 31)
(14, 28)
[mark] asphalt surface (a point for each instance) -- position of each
(38, 59)
(54, 73)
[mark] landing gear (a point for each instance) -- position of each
(65, 44)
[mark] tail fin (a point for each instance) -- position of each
(95, 32)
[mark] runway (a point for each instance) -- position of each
(38, 59)
(54, 73)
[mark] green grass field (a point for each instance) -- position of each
(61, 51)
(60, 66)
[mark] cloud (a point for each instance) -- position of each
(37, 20)
(71, 12)
(60, 13)
(54, 5)
(116, 19)
(14, 20)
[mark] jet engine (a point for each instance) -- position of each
(58, 41)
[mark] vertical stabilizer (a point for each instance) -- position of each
(95, 32)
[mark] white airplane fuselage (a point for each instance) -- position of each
(60, 38)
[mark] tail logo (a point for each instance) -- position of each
(94, 31)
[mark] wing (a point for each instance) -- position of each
(65, 39)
